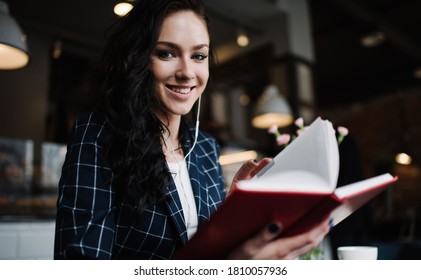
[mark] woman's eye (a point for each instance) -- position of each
(164, 54)
(200, 56)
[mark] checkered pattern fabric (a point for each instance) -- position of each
(89, 223)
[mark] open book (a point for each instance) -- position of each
(298, 188)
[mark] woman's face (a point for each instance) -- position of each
(180, 61)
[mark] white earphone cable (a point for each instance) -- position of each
(196, 133)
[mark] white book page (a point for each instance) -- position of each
(360, 186)
(314, 151)
(291, 181)
(366, 190)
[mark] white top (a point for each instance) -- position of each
(181, 178)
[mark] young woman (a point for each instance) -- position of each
(138, 180)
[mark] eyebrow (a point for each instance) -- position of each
(174, 45)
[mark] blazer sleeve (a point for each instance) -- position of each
(85, 221)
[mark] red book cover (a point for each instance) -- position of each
(244, 213)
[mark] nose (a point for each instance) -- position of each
(185, 69)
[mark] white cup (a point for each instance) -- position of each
(357, 253)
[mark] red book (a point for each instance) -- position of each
(297, 189)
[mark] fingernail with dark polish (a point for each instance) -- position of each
(330, 223)
(273, 228)
(255, 160)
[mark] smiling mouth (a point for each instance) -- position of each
(182, 90)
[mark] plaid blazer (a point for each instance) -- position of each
(89, 224)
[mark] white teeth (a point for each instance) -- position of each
(181, 90)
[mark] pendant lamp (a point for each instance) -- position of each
(124, 7)
(272, 108)
(13, 46)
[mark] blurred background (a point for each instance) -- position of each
(354, 62)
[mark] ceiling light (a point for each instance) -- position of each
(13, 47)
(373, 39)
(272, 108)
(122, 8)
(403, 158)
(242, 39)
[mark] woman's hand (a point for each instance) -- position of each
(249, 169)
(266, 245)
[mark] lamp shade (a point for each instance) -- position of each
(13, 47)
(272, 108)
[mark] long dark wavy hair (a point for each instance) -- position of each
(129, 101)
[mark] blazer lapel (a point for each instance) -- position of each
(198, 183)
(176, 213)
